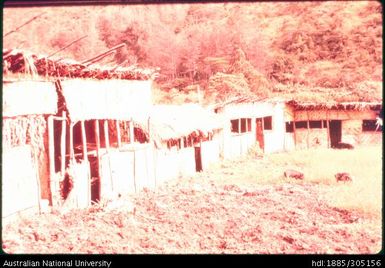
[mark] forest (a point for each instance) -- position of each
(210, 52)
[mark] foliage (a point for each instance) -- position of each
(334, 45)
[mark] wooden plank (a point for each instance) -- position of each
(84, 140)
(72, 153)
(308, 130)
(106, 134)
(328, 130)
(118, 133)
(63, 143)
(51, 149)
(97, 139)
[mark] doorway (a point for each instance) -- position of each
(198, 159)
(259, 133)
(335, 132)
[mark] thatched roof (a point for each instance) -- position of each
(20, 61)
(28, 98)
(107, 99)
(172, 122)
(335, 105)
(245, 100)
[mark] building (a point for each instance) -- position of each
(311, 125)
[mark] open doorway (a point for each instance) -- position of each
(259, 133)
(335, 132)
(198, 159)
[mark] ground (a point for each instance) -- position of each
(213, 212)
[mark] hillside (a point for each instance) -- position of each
(305, 50)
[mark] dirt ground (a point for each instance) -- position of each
(198, 216)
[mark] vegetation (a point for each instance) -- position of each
(261, 49)
(319, 166)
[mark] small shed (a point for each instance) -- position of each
(27, 106)
(328, 124)
(252, 121)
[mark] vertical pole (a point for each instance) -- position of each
(118, 133)
(308, 129)
(106, 135)
(63, 143)
(97, 138)
(72, 154)
(84, 140)
(132, 138)
(51, 148)
(85, 160)
(149, 130)
(328, 130)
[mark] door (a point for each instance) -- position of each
(198, 159)
(259, 133)
(335, 132)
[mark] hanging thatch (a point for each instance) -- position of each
(172, 122)
(335, 105)
(19, 61)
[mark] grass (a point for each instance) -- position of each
(319, 166)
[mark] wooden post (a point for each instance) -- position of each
(149, 130)
(132, 138)
(51, 148)
(84, 140)
(63, 143)
(70, 44)
(72, 154)
(308, 130)
(239, 126)
(106, 137)
(97, 140)
(328, 130)
(22, 25)
(118, 133)
(247, 125)
(295, 133)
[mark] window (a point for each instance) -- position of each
(235, 126)
(268, 123)
(289, 127)
(324, 124)
(248, 124)
(370, 125)
(301, 124)
(315, 124)
(243, 125)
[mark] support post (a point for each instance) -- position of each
(308, 130)
(51, 148)
(118, 133)
(72, 154)
(63, 143)
(106, 135)
(328, 130)
(132, 138)
(84, 140)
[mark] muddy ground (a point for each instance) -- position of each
(195, 216)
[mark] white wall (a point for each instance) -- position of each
(275, 138)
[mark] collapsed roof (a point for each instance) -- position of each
(20, 61)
